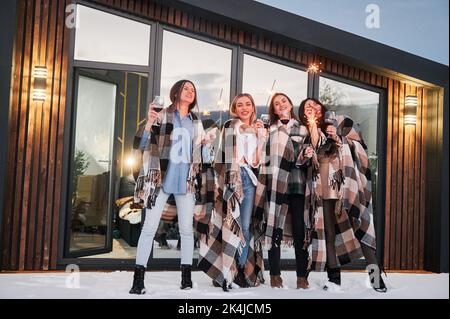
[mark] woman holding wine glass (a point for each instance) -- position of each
(338, 208)
(173, 145)
(232, 252)
(280, 176)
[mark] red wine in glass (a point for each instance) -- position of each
(158, 105)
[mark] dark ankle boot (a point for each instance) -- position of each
(377, 285)
(186, 282)
(138, 281)
(225, 285)
(240, 278)
(334, 276)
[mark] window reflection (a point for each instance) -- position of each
(262, 78)
(362, 106)
(207, 65)
(105, 37)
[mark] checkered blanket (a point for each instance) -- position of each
(219, 248)
(349, 173)
(155, 160)
(271, 202)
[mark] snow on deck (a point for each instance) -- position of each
(165, 285)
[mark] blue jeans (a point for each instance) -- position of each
(246, 209)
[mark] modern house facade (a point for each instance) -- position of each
(76, 77)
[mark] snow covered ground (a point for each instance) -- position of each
(165, 285)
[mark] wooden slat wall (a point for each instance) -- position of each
(433, 180)
(32, 201)
(31, 214)
(405, 180)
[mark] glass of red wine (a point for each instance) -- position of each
(158, 104)
(285, 117)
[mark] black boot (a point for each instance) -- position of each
(381, 286)
(225, 285)
(186, 282)
(138, 281)
(334, 276)
(240, 278)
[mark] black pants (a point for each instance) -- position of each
(296, 207)
(330, 234)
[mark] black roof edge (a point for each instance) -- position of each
(320, 38)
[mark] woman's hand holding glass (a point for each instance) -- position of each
(152, 115)
(260, 129)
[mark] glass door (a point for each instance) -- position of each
(92, 186)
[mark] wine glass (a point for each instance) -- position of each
(158, 104)
(266, 120)
(285, 117)
(330, 118)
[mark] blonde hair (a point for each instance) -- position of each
(234, 104)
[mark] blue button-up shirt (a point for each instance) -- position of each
(175, 179)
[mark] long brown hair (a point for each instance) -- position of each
(304, 119)
(272, 115)
(175, 93)
(234, 104)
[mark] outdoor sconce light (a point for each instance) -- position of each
(40, 83)
(410, 110)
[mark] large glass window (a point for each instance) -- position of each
(105, 37)
(207, 65)
(362, 106)
(262, 78)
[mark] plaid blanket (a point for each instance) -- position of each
(350, 174)
(271, 200)
(219, 247)
(155, 160)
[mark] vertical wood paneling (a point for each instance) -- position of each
(405, 178)
(393, 178)
(423, 180)
(31, 212)
(417, 182)
(388, 249)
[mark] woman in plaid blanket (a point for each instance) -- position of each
(173, 144)
(338, 209)
(230, 252)
(283, 215)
